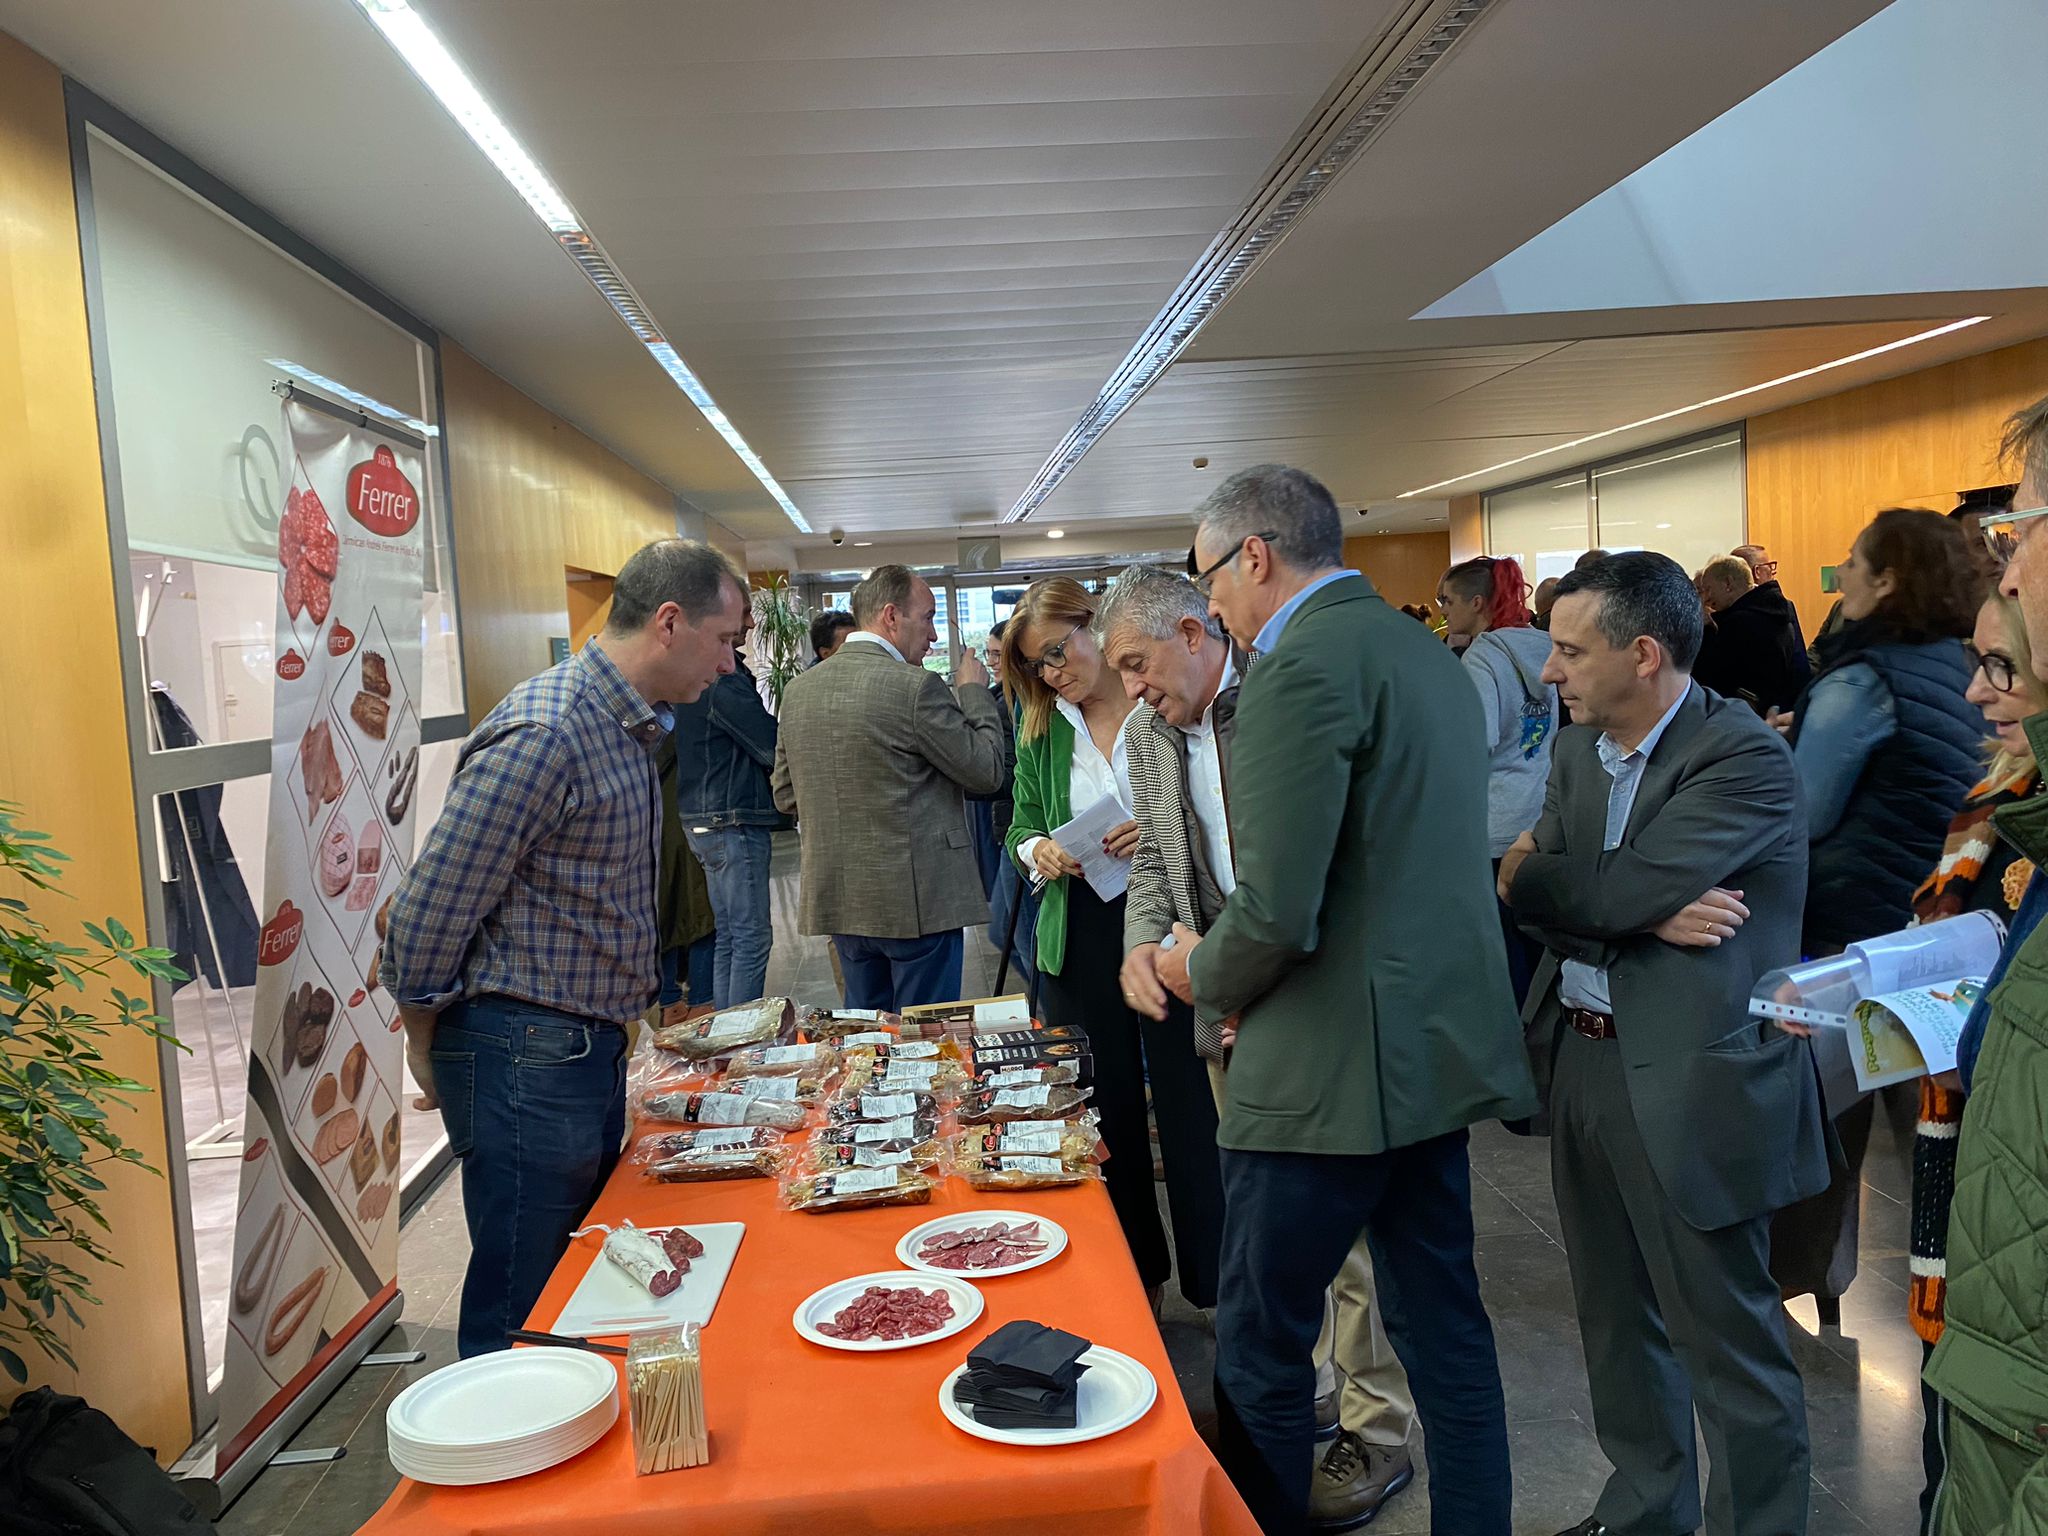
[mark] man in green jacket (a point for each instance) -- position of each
(1361, 954)
(1991, 1366)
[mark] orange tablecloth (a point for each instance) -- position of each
(828, 1443)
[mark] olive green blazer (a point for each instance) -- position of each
(1362, 946)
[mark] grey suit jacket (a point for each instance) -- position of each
(872, 758)
(1729, 1109)
(1171, 881)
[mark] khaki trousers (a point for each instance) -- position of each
(1353, 1355)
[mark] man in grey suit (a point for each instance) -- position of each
(872, 758)
(1666, 875)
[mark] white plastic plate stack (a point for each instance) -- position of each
(502, 1415)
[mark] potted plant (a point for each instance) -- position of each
(55, 1094)
(781, 630)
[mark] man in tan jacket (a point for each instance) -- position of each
(873, 757)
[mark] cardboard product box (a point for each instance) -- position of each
(1010, 1011)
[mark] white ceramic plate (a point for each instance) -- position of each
(1054, 1234)
(823, 1306)
(1114, 1393)
(609, 1301)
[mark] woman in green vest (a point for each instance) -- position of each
(1070, 756)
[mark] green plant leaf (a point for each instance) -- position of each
(14, 1365)
(61, 1138)
(122, 937)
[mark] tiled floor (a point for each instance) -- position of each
(1862, 1389)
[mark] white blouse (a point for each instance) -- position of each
(1091, 775)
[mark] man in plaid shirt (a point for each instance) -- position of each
(523, 939)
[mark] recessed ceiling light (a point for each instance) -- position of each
(1055, 533)
(442, 73)
(863, 543)
(1701, 405)
(1663, 525)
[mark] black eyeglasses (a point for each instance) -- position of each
(1998, 670)
(1201, 577)
(1054, 655)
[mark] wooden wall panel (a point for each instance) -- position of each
(1468, 527)
(63, 744)
(530, 497)
(1818, 472)
(1404, 566)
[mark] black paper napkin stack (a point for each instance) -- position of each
(1023, 1376)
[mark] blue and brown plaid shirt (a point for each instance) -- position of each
(537, 881)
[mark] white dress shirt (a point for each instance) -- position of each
(1205, 785)
(1091, 775)
(1585, 986)
(869, 637)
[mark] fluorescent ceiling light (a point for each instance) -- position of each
(1701, 405)
(442, 73)
(1055, 533)
(354, 397)
(1398, 62)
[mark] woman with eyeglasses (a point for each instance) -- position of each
(1887, 744)
(1978, 872)
(1070, 754)
(1483, 604)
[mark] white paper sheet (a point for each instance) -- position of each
(1908, 1034)
(1082, 838)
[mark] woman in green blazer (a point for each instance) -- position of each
(1070, 754)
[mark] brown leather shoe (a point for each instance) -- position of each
(1352, 1482)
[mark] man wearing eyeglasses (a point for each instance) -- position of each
(1991, 1366)
(1360, 951)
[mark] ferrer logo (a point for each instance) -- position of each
(280, 935)
(381, 498)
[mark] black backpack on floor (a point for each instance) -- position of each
(66, 1469)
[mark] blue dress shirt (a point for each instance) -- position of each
(1269, 636)
(1581, 985)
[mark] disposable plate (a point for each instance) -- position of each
(1054, 1234)
(1114, 1393)
(822, 1306)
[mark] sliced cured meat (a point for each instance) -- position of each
(319, 596)
(890, 1312)
(321, 550)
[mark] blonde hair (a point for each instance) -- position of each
(1057, 602)
(2006, 766)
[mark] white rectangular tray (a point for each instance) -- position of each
(609, 1301)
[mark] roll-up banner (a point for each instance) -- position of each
(316, 1229)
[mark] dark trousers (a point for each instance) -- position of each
(690, 972)
(1127, 1046)
(535, 1105)
(1671, 1319)
(893, 974)
(1289, 1220)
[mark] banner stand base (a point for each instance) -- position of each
(308, 1458)
(267, 1449)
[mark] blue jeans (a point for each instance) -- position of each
(1289, 1219)
(689, 969)
(535, 1105)
(735, 861)
(900, 973)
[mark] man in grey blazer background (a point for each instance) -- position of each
(1666, 875)
(873, 758)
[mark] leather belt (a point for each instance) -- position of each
(1594, 1026)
